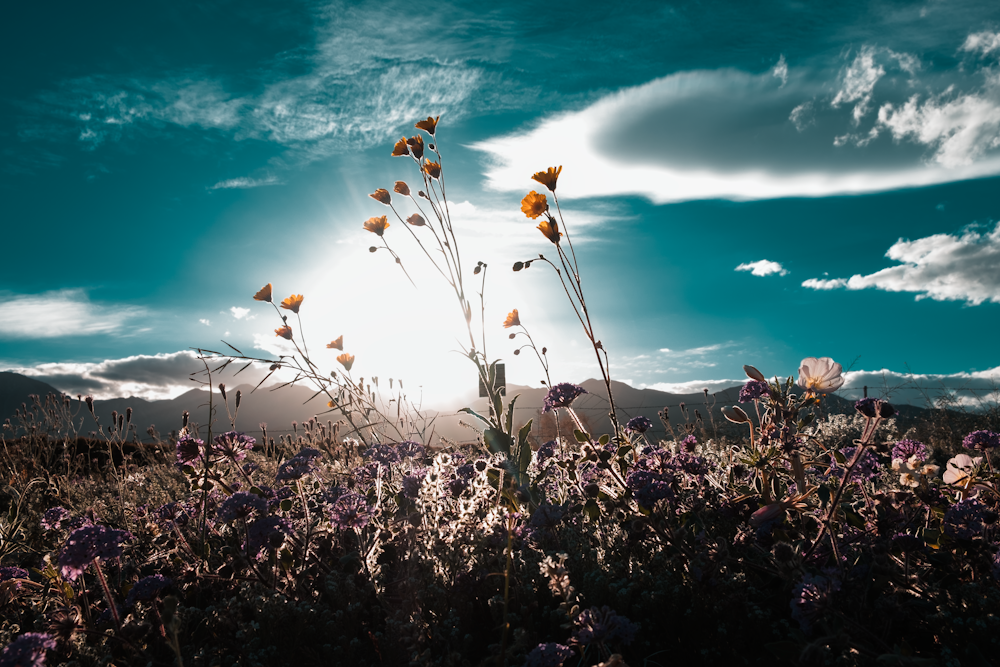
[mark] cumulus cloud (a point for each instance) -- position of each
(239, 313)
(985, 42)
(61, 313)
(973, 390)
(943, 267)
(789, 131)
(763, 267)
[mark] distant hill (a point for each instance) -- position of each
(278, 408)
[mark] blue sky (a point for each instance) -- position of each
(743, 185)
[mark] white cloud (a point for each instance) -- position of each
(974, 390)
(205, 322)
(239, 313)
(780, 70)
(943, 267)
(61, 313)
(982, 42)
(858, 81)
(244, 183)
(693, 387)
(763, 267)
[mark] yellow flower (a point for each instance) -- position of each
(416, 144)
(402, 188)
(432, 169)
(416, 220)
(550, 228)
(292, 303)
(346, 360)
(285, 332)
(377, 225)
(548, 177)
(336, 344)
(264, 294)
(820, 376)
(512, 320)
(400, 148)
(428, 125)
(534, 204)
(381, 195)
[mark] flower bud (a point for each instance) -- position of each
(735, 414)
(753, 373)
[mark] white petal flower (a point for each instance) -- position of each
(820, 376)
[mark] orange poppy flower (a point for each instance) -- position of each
(402, 188)
(285, 332)
(534, 204)
(377, 225)
(550, 228)
(382, 196)
(428, 125)
(346, 360)
(264, 294)
(432, 169)
(336, 344)
(292, 303)
(548, 177)
(400, 148)
(416, 144)
(512, 320)
(416, 220)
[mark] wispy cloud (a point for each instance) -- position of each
(763, 267)
(985, 42)
(244, 183)
(943, 267)
(789, 131)
(61, 313)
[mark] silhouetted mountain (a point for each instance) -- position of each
(15, 390)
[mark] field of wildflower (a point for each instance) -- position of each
(804, 538)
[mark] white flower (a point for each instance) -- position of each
(912, 470)
(959, 470)
(820, 376)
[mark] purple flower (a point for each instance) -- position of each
(548, 655)
(904, 449)
(87, 543)
(28, 650)
(411, 485)
(906, 543)
(689, 443)
(189, 450)
(546, 516)
(350, 511)
(602, 626)
(409, 449)
(241, 505)
(753, 390)
(867, 468)
(546, 451)
(146, 588)
(54, 518)
(981, 440)
(233, 445)
(384, 454)
(298, 466)
(638, 424)
(8, 573)
(964, 519)
(874, 407)
(457, 486)
(268, 531)
(811, 599)
(561, 395)
(652, 492)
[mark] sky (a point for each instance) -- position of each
(742, 185)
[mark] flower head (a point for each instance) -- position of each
(561, 396)
(416, 144)
(429, 125)
(638, 424)
(548, 177)
(284, 332)
(964, 519)
(337, 344)
(54, 518)
(432, 169)
(189, 450)
(981, 440)
(350, 511)
(377, 224)
(912, 470)
(264, 294)
(269, 531)
(512, 320)
(146, 588)
(292, 303)
(550, 228)
(534, 204)
(820, 376)
(548, 655)
(382, 196)
(402, 188)
(416, 220)
(28, 650)
(87, 543)
(904, 449)
(753, 390)
(298, 466)
(960, 470)
(401, 148)
(346, 360)
(233, 445)
(241, 505)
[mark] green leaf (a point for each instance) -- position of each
(497, 441)
(286, 505)
(604, 439)
(257, 491)
(581, 436)
(510, 416)
(841, 459)
(476, 415)
(592, 509)
(524, 448)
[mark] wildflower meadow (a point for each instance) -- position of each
(796, 536)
